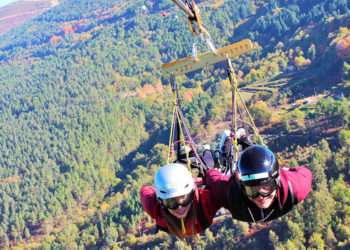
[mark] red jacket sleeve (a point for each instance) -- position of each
(300, 178)
(218, 184)
(149, 201)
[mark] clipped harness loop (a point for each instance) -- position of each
(180, 140)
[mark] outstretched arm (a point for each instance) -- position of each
(300, 179)
(218, 184)
(149, 201)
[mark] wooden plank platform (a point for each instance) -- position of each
(188, 64)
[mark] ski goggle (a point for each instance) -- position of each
(264, 190)
(174, 203)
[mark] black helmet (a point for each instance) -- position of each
(257, 165)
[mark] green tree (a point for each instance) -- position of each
(261, 113)
(316, 241)
(311, 52)
(68, 237)
(296, 234)
(344, 137)
(320, 210)
(330, 237)
(346, 71)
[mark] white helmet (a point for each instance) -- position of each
(173, 180)
(241, 133)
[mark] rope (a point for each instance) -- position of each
(191, 142)
(255, 129)
(171, 139)
(180, 122)
(184, 6)
(181, 135)
(183, 227)
(182, 139)
(195, 22)
(184, 135)
(234, 88)
(235, 93)
(190, 5)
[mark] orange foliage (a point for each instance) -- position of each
(146, 90)
(83, 37)
(55, 39)
(104, 207)
(68, 29)
(343, 48)
(188, 95)
(159, 87)
(11, 179)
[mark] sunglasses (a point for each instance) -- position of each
(174, 203)
(264, 190)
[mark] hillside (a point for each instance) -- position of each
(17, 13)
(85, 113)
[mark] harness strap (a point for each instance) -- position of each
(183, 228)
(201, 216)
(290, 191)
(180, 130)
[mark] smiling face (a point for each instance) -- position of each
(179, 206)
(262, 193)
(181, 211)
(264, 201)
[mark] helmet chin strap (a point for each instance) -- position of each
(263, 217)
(160, 203)
(183, 228)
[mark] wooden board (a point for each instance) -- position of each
(188, 64)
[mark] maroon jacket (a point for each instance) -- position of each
(203, 202)
(294, 186)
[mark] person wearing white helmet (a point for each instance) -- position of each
(177, 205)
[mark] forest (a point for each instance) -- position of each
(85, 117)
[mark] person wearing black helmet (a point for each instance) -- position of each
(260, 190)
